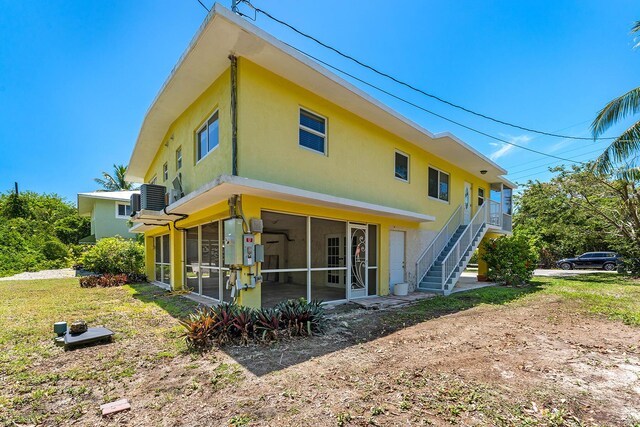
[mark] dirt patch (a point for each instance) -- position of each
(539, 363)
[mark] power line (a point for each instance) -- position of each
(527, 175)
(205, 7)
(516, 171)
(429, 111)
(388, 76)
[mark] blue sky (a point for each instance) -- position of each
(76, 77)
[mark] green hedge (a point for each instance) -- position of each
(511, 260)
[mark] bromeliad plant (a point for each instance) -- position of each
(200, 329)
(227, 322)
(267, 324)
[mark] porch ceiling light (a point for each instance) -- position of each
(483, 172)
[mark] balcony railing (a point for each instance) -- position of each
(497, 218)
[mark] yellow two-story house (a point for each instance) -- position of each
(333, 195)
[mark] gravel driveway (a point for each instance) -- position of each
(564, 273)
(43, 274)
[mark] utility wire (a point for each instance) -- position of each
(205, 7)
(400, 82)
(517, 165)
(514, 174)
(429, 111)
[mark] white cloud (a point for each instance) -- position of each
(506, 148)
(558, 145)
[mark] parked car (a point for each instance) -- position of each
(605, 260)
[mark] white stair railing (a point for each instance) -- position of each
(429, 256)
(460, 248)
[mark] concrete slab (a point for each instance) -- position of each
(209, 302)
(378, 303)
(468, 281)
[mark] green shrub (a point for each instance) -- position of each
(54, 250)
(630, 266)
(115, 255)
(511, 260)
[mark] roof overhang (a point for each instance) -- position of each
(223, 33)
(87, 200)
(224, 186)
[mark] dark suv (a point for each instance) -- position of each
(604, 260)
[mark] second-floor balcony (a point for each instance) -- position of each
(500, 207)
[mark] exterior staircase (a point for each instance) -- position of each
(441, 264)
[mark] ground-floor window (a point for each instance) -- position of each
(162, 259)
(205, 273)
(316, 258)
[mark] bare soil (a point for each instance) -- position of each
(539, 362)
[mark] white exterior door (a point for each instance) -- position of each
(467, 203)
(396, 258)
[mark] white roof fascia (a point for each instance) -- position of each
(220, 12)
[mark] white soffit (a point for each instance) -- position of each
(223, 33)
(221, 188)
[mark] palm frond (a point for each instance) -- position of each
(616, 110)
(619, 150)
(115, 181)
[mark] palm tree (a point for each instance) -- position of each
(115, 182)
(617, 156)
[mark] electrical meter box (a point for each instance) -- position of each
(233, 242)
(248, 243)
(259, 250)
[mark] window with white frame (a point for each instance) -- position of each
(165, 171)
(402, 166)
(207, 137)
(480, 196)
(123, 210)
(313, 131)
(179, 158)
(153, 180)
(438, 184)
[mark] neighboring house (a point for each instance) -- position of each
(109, 211)
(354, 198)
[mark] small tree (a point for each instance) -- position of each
(511, 260)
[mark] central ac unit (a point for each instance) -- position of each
(135, 203)
(152, 197)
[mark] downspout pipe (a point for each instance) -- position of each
(234, 115)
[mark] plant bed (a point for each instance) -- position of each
(228, 323)
(111, 280)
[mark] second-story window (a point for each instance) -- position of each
(313, 131)
(207, 137)
(178, 158)
(438, 184)
(480, 196)
(154, 180)
(402, 166)
(165, 172)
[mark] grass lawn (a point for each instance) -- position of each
(601, 293)
(347, 377)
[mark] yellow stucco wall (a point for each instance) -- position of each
(360, 155)
(182, 133)
(359, 164)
